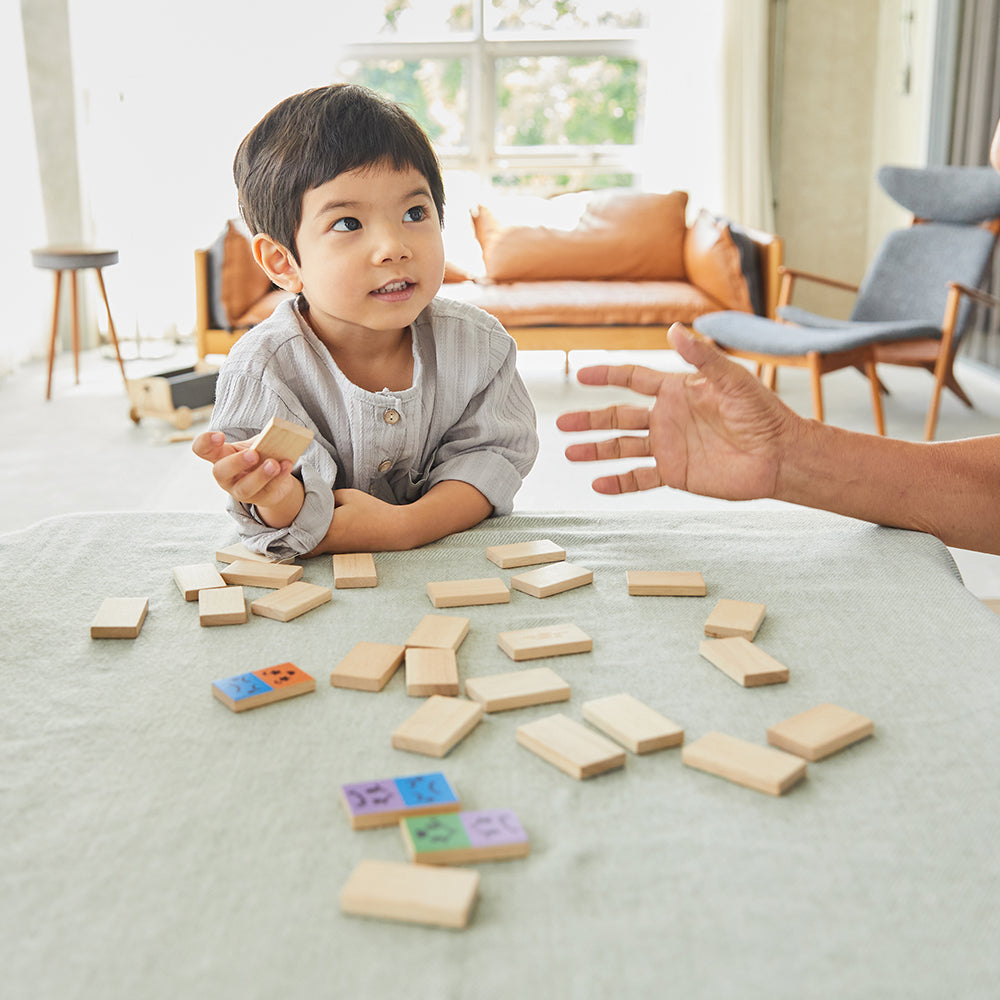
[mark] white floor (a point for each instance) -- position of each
(80, 451)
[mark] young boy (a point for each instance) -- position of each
(422, 424)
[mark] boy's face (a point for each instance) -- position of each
(371, 253)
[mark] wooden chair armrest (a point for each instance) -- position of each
(976, 294)
(819, 278)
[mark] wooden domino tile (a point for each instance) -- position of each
(369, 666)
(231, 553)
(464, 838)
(744, 662)
(119, 618)
(289, 602)
(633, 724)
(555, 578)
(517, 689)
(466, 593)
(422, 894)
(570, 746)
(549, 640)
(354, 570)
(742, 618)
(431, 671)
(194, 578)
(262, 687)
(662, 583)
(250, 573)
(281, 440)
(820, 731)
(437, 726)
(440, 632)
(222, 606)
(385, 802)
(525, 553)
(761, 768)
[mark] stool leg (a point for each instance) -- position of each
(111, 325)
(55, 331)
(76, 326)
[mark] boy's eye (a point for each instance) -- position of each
(347, 225)
(416, 214)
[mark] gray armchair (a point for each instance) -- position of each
(913, 304)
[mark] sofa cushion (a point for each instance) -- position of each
(617, 234)
(235, 281)
(712, 261)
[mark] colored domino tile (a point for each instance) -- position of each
(196, 577)
(820, 731)
(289, 602)
(119, 618)
(465, 837)
(422, 894)
(744, 662)
(251, 573)
(231, 553)
(222, 606)
(262, 687)
(385, 802)
(741, 618)
(440, 632)
(555, 578)
(431, 671)
(633, 724)
(760, 768)
(353, 570)
(517, 689)
(549, 640)
(281, 440)
(525, 553)
(437, 726)
(369, 666)
(662, 583)
(570, 746)
(467, 593)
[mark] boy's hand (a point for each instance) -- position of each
(240, 472)
(363, 523)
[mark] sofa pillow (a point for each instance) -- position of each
(712, 262)
(235, 281)
(614, 234)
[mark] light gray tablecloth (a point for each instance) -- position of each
(158, 846)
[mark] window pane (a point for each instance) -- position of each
(544, 185)
(571, 18)
(561, 101)
(406, 20)
(434, 91)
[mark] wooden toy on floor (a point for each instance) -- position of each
(431, 671)
(440, 632)
(466, 593)
(464, 837)
(744, 662)
(385, 802)
(570, 746)
(438, 725)
(820, 731)
(422, 894)
(354, 569)
(525, 553)
(200, 576)
(262, 687)
(761, 768)
(369, 666)
(634, 725)
(289, 602)
(658, 583)
(517, 689)
(119, 618)
(548, 640)
(222, 606)
(555, 578)
(251, 573)
(281, 440)
(729, 617)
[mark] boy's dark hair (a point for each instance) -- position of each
(312, 137)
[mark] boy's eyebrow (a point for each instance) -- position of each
(340, 206)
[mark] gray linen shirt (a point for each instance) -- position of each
(467, 417)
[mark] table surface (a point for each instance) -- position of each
(158, 845)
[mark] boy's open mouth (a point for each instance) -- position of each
(393, 287)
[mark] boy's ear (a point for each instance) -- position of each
(278, 262)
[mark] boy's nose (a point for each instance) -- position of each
(390, 246)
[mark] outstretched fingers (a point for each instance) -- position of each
(610, 418)
(609, 450)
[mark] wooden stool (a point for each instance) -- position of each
(73, 259)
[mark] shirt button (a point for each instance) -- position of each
(384, 466)
(391, 417)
